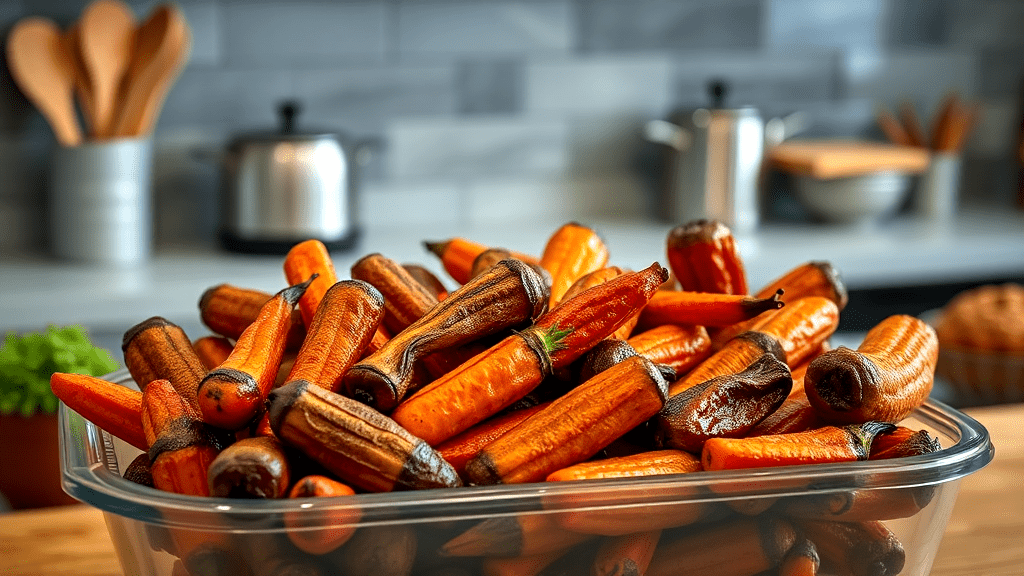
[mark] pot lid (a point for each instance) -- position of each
(288, 111)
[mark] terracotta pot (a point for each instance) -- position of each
(30, 462)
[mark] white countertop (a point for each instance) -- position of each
(35, 291)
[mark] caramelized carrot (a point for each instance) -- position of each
(861, 505)
(600, 277)
(427, 279)
(232, 394)
(310, 259)
(741, 352)
(180, 449)
(112, 407)
(457, 255)
(612, 514)
(742, 547)
(228, 310)
(572, 251)
(827, 444)
(681, 347)
(486, 259)
(703, 256)
(320, 533)
(344, 323)
(903, 442)
(513, 537)
(405, 299)
(255, 467)
(628, 555)
(462, 447)
(212, 350)
(802, 326)
(652, 463)
(795, 415)
(801, 560)
(856, 548)
(156, 349)
(703, 309)
(509, 370)
(886, 378)
(138, 471)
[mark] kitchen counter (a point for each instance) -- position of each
(979, 245)
(982, 538)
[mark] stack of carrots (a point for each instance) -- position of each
(554, 368)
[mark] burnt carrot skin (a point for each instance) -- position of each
(112, 407)
(856, 548)
(652, 463)
(212, 350)
(703, 256)
(345, 321)
(228, 310)
(802, 327)
(157, 349)
(739, 353)
(509, 294)
(462, 447)
(138, 471)
(457, 255)
(886, 378)
(513, 537)
(903, 442)
(681, 347)
(801, 560)
(232, 394)
(334, 527)
(302, 262)
(704, 309)
(405, 299)
(509, 370)
(575, 426)
(427, 279)
(255, 467)
(628, 555)
(740, 547)
(180, 449)
(794, 415)
(724, 407)
(604, 355)
(826, 444)
(571, 252)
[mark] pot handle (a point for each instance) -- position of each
(669, 134)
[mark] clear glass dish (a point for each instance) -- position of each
(885, 517)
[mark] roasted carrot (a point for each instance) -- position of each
(600, 277)
(513, 537)
(604, 355)
(801, 560)
(681, 347)
(271, 554)
(321, 533)
(606, 514)
(724, 407)
(509, 370)
(802, 326)
(572, 251)
(856, 548)
(652, 463)
(386, 550)
(112, 407)
(380, 337)
(741, 352)
(305, 260)
(703, 309)
(794, 415)
(826, 444)
(903, 442)
(628, 555)
(740, 547)
(180, 449)
(228, 310)
(508, 295)
(255, 467)
(232, 394)
(405, 299)
(486, 259)
(457, 255)
(212, 350)
(157, 349)
(703, 256)
(462, 447)
(861, 505)
(428, 280)
(344, 323)
(886, 378)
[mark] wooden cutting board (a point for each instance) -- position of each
(826, 159)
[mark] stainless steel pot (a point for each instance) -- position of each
(283, 187)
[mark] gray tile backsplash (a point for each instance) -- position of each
(485, 111)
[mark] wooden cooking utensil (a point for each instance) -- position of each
(81, 80)
(105, 44)
(912, 124)
(41, 66)
(943, 118)
(161, 48)
(892, 128)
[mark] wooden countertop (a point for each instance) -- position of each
(983, 537)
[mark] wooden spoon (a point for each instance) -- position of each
(105, 43)
(82, 88)
(41, 66)
(161, 48)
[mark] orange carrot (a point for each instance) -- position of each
(600, 277)
(802, 326)
(741, 352)
(572, 251)
(741, 547)
(681, 347)
(652, 463)
(703, 256)
(112, 407)
(903, 442)
(512, 536)
(626, 555)
(457, 255)
(320, 533)
(180, 449)
(212, 350)
(405, 299)
(795, 415)
(462, 447)
(303, 261)
(228, 310)
(801, 560)
(703, 309)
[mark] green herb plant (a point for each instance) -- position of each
(28, 361)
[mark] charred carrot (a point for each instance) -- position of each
(250, 468)
(723, 407)
(703, 256)
(703, 309)
(428, 280)
(903, 442)
(180, 449)
(600, 277)
(886, 378)
(112, 407)
(462, 447)
(486, 259)
(826, 444)
(572, 251)
(794, 415)
(802, 327)
(343, 325)
(509, 294)
(653, 463)
(156, 349)
(856, 548)
(321, 533)
(212, 350)
(232, 394)
(509, 370)
(359, 445)
(735, 548)
(405, 299)
(457, 255)
(513, 537)
(801, 560)
(681, 347)
(228, 310)
(628, 555)
(604, 355)
(741, 352)
(138, 471)
(575, 426)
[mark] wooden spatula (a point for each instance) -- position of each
(41, 66)
(161, 48)
(105, 44)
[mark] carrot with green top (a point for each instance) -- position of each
(571, 252)
(303, 261)
(509, 370)
(112, 407)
